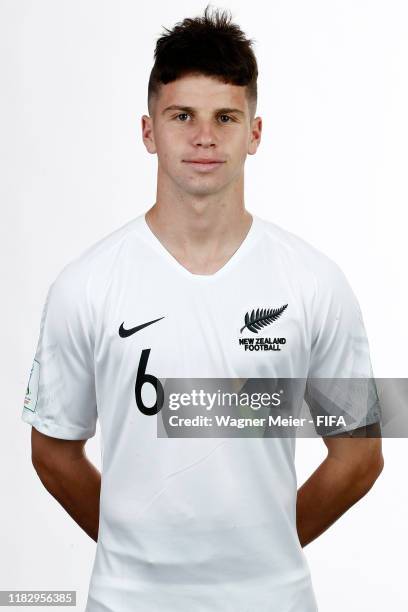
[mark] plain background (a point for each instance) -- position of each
(332, 168)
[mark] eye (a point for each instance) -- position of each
(181, 115)
(227, 117)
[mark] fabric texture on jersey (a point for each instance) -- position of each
(190, 524)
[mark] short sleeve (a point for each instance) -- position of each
(340, 377)
(60, 396)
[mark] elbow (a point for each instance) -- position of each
(45, 471)
(37, 458)
(42, 456)
(371, 472)
(39, 465)
(37, 462)
(40, 462)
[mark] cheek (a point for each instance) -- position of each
(168, 145)
(166, 151)
(240, 146)
(246, 140)
(238, 139)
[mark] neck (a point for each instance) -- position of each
(201, 231)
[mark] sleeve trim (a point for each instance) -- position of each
(56, 431)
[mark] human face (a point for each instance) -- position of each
(202, 130)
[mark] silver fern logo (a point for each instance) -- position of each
(261, 317)
(256, 321)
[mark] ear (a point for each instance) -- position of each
(148, 134)
(255, 137)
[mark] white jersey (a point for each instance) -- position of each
(190, 524)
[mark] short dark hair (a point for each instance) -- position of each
(210, 45)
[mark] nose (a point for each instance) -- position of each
(204, 135)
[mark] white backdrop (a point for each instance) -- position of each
(332, 168)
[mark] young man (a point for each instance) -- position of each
(195, 524)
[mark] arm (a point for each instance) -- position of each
(70, 477)
(348, 472)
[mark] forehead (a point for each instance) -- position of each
(202, 92)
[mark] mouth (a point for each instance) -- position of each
(204, 164)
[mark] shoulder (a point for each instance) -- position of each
(90, 270)
(298, 254)
(320, 281)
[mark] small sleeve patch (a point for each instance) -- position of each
(30, 400)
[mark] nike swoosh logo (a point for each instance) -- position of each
(124, 333)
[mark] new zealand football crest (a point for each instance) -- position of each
(256, 321)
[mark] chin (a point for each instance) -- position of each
(201, 188)
(202, 191)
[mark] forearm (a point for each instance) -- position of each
(75, 484)
(329, 492)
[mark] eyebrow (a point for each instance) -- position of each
(190, 109)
